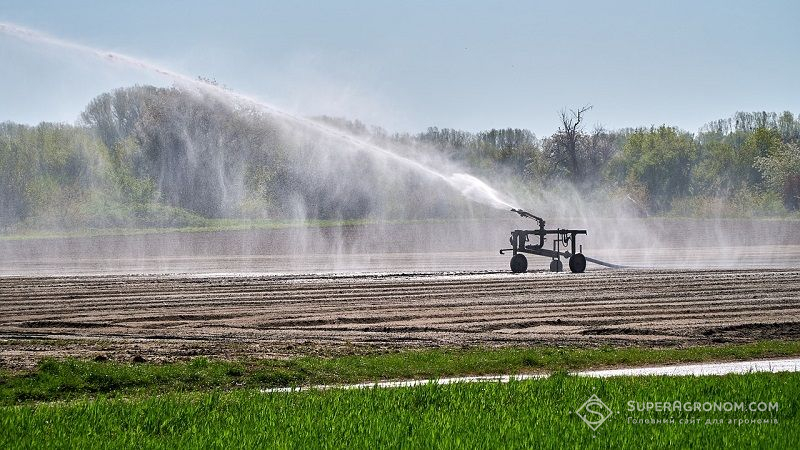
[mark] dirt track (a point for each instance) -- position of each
(170, 317)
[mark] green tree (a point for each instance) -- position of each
(788, 127)
(658, 160)
(717, 166)
(761, 143)
(47, 171)
(781, 172)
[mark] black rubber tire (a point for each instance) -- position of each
(519, 263)
(577, 263)
(556, 266)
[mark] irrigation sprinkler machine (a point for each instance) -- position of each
(566, 238)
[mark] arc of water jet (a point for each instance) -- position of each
(469, 186)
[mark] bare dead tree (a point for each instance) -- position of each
(568, 136)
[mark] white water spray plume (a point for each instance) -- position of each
(467, 185)
(618, 233)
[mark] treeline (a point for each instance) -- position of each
(747, 164)
(146, 156)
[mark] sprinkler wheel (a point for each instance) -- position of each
(519, 263)
(577, 263)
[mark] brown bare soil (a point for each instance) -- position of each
(165, 317)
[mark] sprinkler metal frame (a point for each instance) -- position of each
(568, 237)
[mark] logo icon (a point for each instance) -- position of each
(594, 412)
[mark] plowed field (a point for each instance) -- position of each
(170, 317)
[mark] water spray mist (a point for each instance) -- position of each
(467, 185)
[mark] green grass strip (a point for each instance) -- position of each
(529, 414)
(68, 379)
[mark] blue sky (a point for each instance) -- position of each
(413, 64)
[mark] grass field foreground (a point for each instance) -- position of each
(529, 414)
